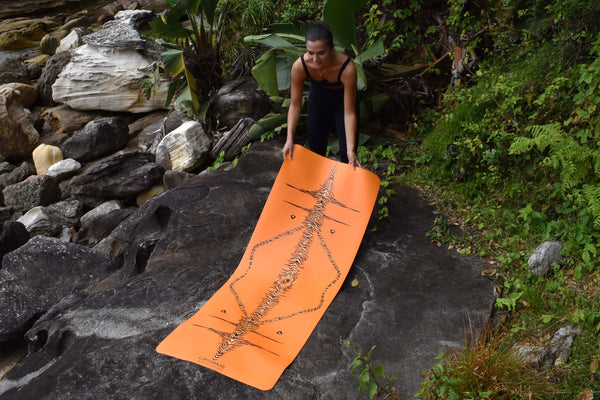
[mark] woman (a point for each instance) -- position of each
(332, 96)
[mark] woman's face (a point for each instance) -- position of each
(318, 53)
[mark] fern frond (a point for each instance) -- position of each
(591, 199)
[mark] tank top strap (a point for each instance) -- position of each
(305, 69)
(341, 69)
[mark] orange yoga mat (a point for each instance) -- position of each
(303, 245)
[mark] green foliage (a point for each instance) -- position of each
(186, 33)
(254, 12)
(400, 25)
(372, 378)
(217, 162)
(526, 134)
(292, 11)
(386, 159)
(515, 158)
(571, 148)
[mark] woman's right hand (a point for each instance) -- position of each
(288, 148)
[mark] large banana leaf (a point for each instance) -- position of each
(208, 9)
(376, 50)
(268, 123)
(191, 6)
(340, 15)
(278, 41)
(174, 64)
(173, 61)
(272, 69)
(169, 25)
(284, 72)
(265, 73)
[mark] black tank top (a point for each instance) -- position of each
(325, 83)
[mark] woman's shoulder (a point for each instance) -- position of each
(347, 64)
(298, 69)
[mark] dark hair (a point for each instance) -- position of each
(320, 31)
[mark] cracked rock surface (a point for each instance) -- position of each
(413, 299)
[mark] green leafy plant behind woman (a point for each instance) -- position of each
(187, 32)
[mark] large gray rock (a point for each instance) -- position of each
(105, 73)
(17, 174)
(54, 66)
(413, 299)
(119, 177)
(99, 138)
(67, 212)
(13, 70)
(96, 229)
(38, 274)
(236, 100)
(12, 236)
(41, 190)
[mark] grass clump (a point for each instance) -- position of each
(487, 368)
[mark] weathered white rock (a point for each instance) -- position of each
(72, 40)
(44, 156)
(64, 169)
(37, 222)
(105, 73)
(185, 148)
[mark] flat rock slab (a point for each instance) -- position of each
(413, 299)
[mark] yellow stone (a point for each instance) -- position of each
(45, 156)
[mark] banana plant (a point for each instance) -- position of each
(186, 32)
(285, 43)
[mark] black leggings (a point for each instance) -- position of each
(325, 112)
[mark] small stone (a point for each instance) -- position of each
(44, 156)
(64, 169)
(543, 257)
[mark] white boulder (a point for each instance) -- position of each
(105, 73)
